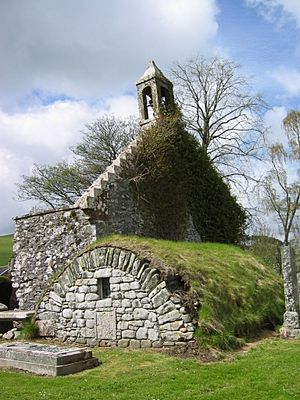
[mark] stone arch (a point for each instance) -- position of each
(139, 311)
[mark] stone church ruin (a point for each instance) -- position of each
(105, 295)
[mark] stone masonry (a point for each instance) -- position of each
(42, 244)
(139, 310)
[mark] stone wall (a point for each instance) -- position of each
(42, 244)
(139, 310)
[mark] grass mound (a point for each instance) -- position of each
(238, 295)
(6, 243)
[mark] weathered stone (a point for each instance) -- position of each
(160, 298)
(128, 334)
(140, 313)
(142, 333)
(158, 288)
(153, 334)
(71, 297)
(91, 296)
(166, 307)
(291, 316)
(146, 343)
(46, 328)
(67, 313)
(3, 307)
(123, 343)
(169, 317)
(104, 303)
(171, 326)
(134, 344)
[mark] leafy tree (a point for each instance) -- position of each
(281, 186)
(61, 184)
(221, 111)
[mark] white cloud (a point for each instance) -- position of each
(95, 49)
(289, 78)
(270, 8)
(43, 135)
(273, 119)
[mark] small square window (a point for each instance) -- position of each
(103, 288)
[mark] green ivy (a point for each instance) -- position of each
(171, 178)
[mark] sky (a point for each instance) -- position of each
(64, 63)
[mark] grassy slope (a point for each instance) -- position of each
(269, 371)
(6, 243)
(238, 294)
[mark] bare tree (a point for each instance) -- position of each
(102, 141)
(61, 184)
(281, 186)
(220, 109)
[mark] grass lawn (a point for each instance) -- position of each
(268, 371)
(6, 243)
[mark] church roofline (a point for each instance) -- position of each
(152, 72)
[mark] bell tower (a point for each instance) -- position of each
(155, 94)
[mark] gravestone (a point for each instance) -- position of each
(291, 318)
(46, 359)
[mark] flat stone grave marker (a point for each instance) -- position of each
(44, 359)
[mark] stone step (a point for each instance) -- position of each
(90, 199)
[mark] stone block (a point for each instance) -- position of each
(71, 297)
(153, 334)
(134, 344)
(122, 325)
(128, 334)
(106, 325)
(89, 314)
(158, 288)
(67, 313)
(140, 313)
(142, 333)
(160, 298)
(104, 303)
(166, 307)
(130, 294)
(126, 303)
(169, 317)
(123, 343)
(171, 326)
(83, 289)
(135, 285)
(124, 286)
(90, 323)
(46, 328)
(91, 296)
(146, 343)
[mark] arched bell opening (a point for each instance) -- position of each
(147, 103)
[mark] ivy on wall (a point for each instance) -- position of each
(171, 179)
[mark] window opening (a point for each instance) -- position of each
(103, 288)
(165, 98)
(148, 103)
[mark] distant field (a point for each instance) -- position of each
(6, 243)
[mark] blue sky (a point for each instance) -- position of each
(66, 62)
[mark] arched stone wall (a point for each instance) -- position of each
(138, 309)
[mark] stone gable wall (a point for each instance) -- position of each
(140, 310)
(42, 244)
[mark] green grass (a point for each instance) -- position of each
(238, 295)
(269, 371)
(6, 243)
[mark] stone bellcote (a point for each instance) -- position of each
(155, 94)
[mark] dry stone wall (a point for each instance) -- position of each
(42, 244)
(138, 311)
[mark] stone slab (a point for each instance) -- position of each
(15, 315)
(46, 359)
